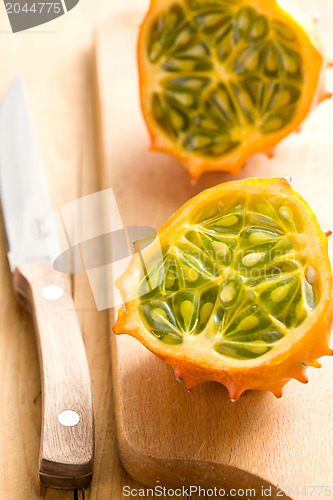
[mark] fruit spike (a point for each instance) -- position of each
(235, 390)
(240, 291)
(315, 364)
(325, 95)
(221, 81)
(270, 154)
(300, 374)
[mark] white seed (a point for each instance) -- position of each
(248, 323)
(274, 124)
(290, 64)
(201, 141)
(195, 239)
(182, 38)
(299, 310)
(259, 347)
(186, 310)
(221, 249)
(190, 274)
(283, 99)
(272, 62)
(184, 98)
(155, 50)
(193, 84)
(286, 213)
(209, 125)
(279, 293)
(159, 316)
(286, 244)
(258, 27)
(172, 18)
(177, 120)
(252, 61)
(211, 19)
(170, 281)
(206, 311)
(228, 221)
(196, 51)
(222, 99)
(188, 65)
(228, 293)
(284, 31)
(259, 237)
(243, 22)
(252, 258)
(245, 100)
(311, 275)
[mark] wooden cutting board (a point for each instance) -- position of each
(166, 435)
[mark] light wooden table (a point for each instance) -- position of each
(55, 61)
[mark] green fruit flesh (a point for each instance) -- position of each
(237, 281)
(224, 72)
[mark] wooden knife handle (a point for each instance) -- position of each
(66, 449)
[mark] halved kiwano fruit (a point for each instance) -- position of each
(223, 79)
(236, 288)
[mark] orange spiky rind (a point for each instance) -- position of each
(315, 364)
(270, 154)
(236, 387)
(290, 359)
(315, 65)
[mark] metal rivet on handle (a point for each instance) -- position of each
(52, 292)
(68, 418)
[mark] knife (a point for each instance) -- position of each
(66, 450)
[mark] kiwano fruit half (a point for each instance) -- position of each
(236, 288)
(221, 80)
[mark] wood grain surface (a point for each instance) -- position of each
(55, 61)
(167, 436)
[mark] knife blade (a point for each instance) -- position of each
(66, 449)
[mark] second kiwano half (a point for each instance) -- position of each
(236, 287)
(221, 80)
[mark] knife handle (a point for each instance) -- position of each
(66, 451)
